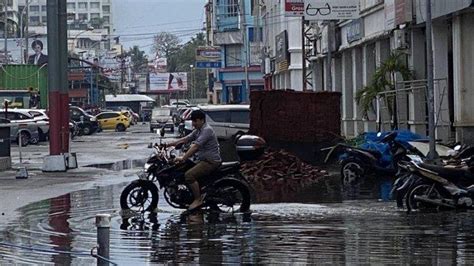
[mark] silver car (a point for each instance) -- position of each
(24, 132)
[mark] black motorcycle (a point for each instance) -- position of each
(438, 187)
(225, 190)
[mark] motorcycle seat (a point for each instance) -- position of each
(228, 167)
(449, 172)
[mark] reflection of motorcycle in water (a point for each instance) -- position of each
(140, 223)
(225, 190)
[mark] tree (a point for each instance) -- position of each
(138, 59)
(165, 43)
(384, 80)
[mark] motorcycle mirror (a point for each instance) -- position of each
(457, 148)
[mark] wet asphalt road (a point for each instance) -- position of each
(352, 232)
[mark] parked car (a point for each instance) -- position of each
(26, 131)
(87, 123)
(227, 120)
(113, 120)
(42, 117)
(21, 116)
(161, 117)
(135, 116)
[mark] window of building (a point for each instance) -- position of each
(44, 19)
(71, 5)
(95, 5)
(44, 8)
(95, 15)
(82, 5)
(253, 34)
(34, 8)
(106, 9)
(106, 19)
(232, 8)
(233, 55)
(34, 20)
(83, 16)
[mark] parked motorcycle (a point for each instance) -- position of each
(406, 180)
(437, 187)
(358, 162)
(225, 190)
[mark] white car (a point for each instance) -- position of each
(40, 117)
(228, 119)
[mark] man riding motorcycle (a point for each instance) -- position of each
(205, 145)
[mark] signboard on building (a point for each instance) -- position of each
(294, 8)
(281, 47)
(331, 9)
(161, 64)
(208, 57)
(168, 82)
(355, 31)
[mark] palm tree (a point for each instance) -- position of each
(384, 79)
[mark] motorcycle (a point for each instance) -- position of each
(357, 162)
(225, 190)
(406, 179)
(437, 187)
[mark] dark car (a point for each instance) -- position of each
(87, 123)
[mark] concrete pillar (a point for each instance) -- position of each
(382, 52)
(463, 62)
(347, 95)
(440, 59)
(357, 84)
(417, 99)
(337, 74)
(318, 75)
(368, 69)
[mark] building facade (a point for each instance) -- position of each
(360, 46)
(232, 25)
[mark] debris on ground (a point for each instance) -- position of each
(282, 171)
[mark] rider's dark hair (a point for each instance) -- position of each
(198, 114)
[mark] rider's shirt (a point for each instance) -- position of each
(206, 139)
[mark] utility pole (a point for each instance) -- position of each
(63, 75)
(245, 40)
(27, 32)
(329, 58)
(5, 29)
(303, 54)
(429, 61)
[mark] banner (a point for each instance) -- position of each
(331, 9)
(168, 82)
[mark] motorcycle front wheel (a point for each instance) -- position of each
(139, 196)
(229, 196)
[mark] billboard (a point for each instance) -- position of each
(331, 9)
(294, 8)
(208, 57)
(168, 82)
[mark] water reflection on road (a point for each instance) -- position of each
(346, 233)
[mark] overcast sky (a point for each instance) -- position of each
(135, 21)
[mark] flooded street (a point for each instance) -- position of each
(354, 232)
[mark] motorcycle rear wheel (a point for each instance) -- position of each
(230, 196)
(139, 197)
(422, 190)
